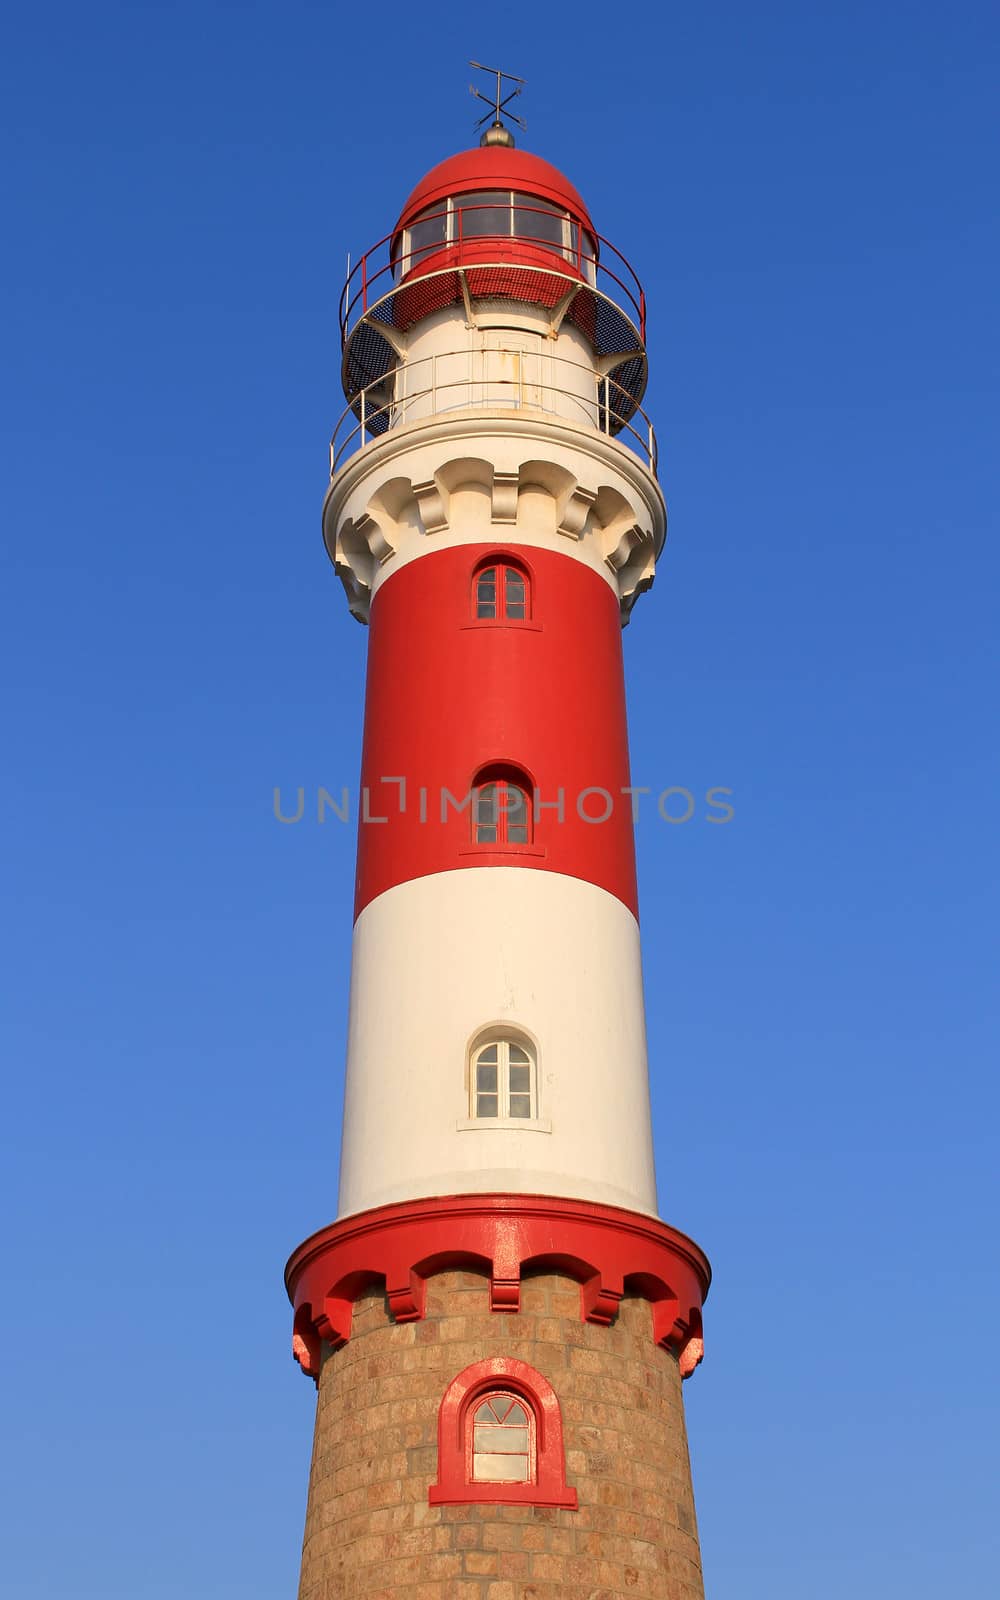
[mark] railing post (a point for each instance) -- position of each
(362, 419)
(607, 405)
(364, 281)
(434, 385)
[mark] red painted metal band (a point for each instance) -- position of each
(608, 1250)
(448, 695)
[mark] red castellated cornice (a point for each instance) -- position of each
(609, 1251)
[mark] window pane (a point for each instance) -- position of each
(517, 1054)
(487, 1053)
(499, 1469)
(426, 234)
(482, 215)
(487, 1105)
(517, 1416)
(535, 220)
(505, 1441)
(486, 1077)
(486, 835)
(520, 1080)
(514, 804)
(520, 1105)
(487, 803)
(517, 834)
(513, 593)
(486, 593)
(485, 1412)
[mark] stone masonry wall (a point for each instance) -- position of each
(370, 1533)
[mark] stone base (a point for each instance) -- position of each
(371, 1530)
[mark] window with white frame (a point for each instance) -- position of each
(503, 1440)
(503, 1081)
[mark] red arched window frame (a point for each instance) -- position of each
(501, 591)
(501, 808)
(500, 1375)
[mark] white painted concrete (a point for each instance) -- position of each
(435, 962)
(506, 360)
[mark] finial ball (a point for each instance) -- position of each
(496, 133)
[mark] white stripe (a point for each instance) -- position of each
(439, 959)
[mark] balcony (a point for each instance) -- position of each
(499, 382)
(477, 256)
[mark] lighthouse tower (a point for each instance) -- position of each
(498, 1321)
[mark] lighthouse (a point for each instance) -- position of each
(498, 1321)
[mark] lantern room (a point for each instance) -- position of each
(496, 203)
(494, 289)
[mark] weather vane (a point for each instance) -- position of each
(498, 102)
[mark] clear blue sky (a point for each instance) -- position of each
(808, 194)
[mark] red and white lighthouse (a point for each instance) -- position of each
(498, 1320)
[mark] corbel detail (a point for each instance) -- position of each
(431, 504)
(504, 497)
(600, 1299)
(573, 510)
(375, 536)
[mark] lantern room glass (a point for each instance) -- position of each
(496, 214)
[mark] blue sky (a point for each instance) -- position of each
(809, 197)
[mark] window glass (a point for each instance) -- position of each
(488, 1082)
(426, 234)
(501, 812)
(501, 1441)
(516, 814)
(486, 592)
(487, 814)
(538, 220)
(482, 215)
(501, 592)
(513, 586)
(503, 1081)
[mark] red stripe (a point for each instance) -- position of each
(606, 1248)
(446, 696)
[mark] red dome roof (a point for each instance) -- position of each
(494, 167)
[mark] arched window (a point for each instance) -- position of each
(500, 1439)
(502, 593)
(503, 1080)
(501, 812)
